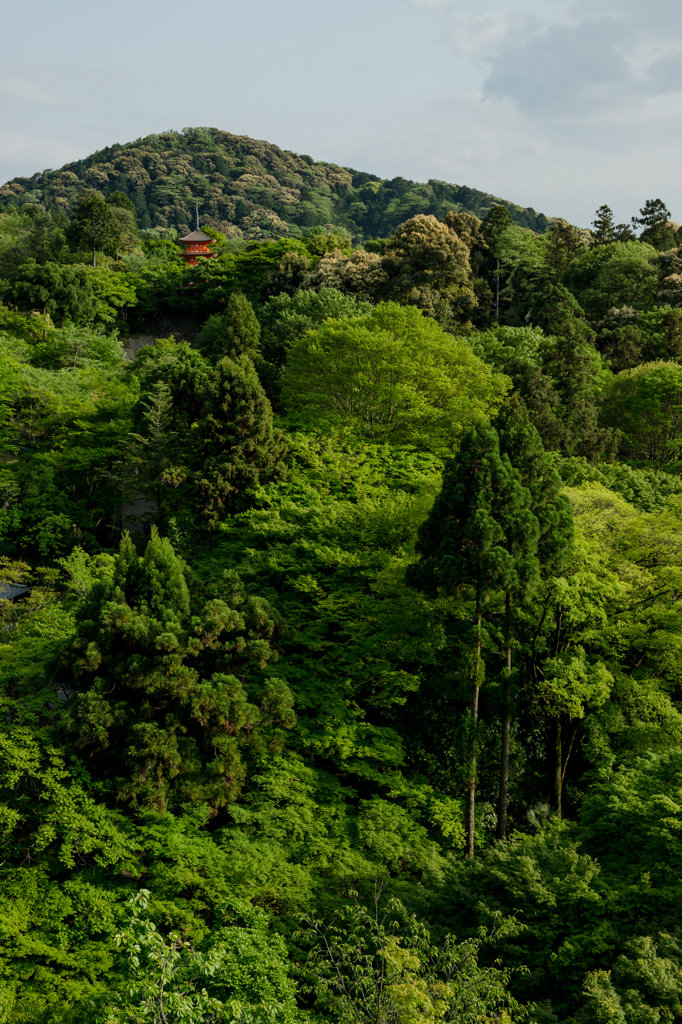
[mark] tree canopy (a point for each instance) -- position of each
(393, 373)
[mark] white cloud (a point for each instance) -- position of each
(482, 36)
(604, 56)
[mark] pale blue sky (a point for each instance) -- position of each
(560, 106)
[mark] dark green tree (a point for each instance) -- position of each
(495, 223)
(469, 229)
(576, 378)
(236, 332)
(564, 244)
(235, 446)
(428, 266)
(604, 226)
(497, 219)
(166, 690)
(605, 230)
(537, 391)
(227, 443)
(539, 554)
(479, 534)
(121, 201)
(574, 366)
(654, 224)
(148, 469)
(46, 240)
(623, 233)
(126, 219)
(60, 290)
(95, 226)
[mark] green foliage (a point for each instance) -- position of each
(185, 703)
(521, 703)
(47, 814)
(428, 267)
(285, 319)
(61, 291)
(563, 246)
(96, 225)
(560, 379)
(646, 489)
(234, 333)
(463, 540)
(379, 966)
(235, 445)
(391, 374)
(256, 188)
(654, 218)
(644, 405)
(240, 974)
(216, 431)
(616, 274)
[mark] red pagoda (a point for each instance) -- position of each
(196, 244)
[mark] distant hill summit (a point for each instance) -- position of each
(248, 189)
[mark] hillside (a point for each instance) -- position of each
(248, 188)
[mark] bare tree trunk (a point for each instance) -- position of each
(94, 254)
(506, 729)
(558, 777)
(471, 796)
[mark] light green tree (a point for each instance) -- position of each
(392, 375)
(645, 405)
(238, 977)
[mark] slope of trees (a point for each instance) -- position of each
(246, 188)
(340, 624)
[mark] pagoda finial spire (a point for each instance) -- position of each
(197, 216)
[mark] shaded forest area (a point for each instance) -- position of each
(340, 606)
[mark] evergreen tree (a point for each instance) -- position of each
(573, 365)
(497, 219)
(654, 220)
(545, 549)
(165, 690)
(152, 452)
(428, 266)
(564, 244)
(480, 534)
(234, 444)
(495, 223)
(61, 291)
(46, 240)
(536, 390)
(236, 332)
(604, 226)
(95, 224)
(226, 440)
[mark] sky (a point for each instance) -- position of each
(558, 106)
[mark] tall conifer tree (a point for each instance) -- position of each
(541, 548)
(464, 542)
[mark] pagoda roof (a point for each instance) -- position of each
(196, 236)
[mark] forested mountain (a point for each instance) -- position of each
(247, 189)
(340, 609)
